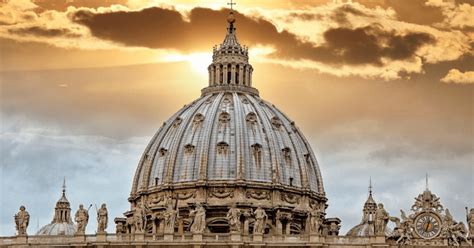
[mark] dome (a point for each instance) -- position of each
(228, 147)
(364, 229)
(231, 136)
(62, 223)
(58, 229)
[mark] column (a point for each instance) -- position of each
(212, 77)
(224, 75)
(218, 74)
(250, 76)
(209, 69)
(246, 81)
(232, 74)
(241, 74)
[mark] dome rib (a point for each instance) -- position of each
(270, 139)
(217, 163)
(298, 143)
(178, 144)
(206, 149)
(149, 154)
(239, 149)
(289, 139)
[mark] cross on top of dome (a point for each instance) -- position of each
(232, 3)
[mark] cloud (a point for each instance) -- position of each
(34, 161)
(343, 39)
(456, 15)
(457, 77)
(369, 45)
(44, 32)
(341, 46)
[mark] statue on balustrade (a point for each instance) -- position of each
(470, 222)
(102, 218)
(22, 219)
(381, 220)
(260, 221)
(198, 219)
(169, 217)
(315, 221)
(82, 218)
(233, 217)
(138, 220)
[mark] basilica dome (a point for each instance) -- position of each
(229, 134)
(228, 147)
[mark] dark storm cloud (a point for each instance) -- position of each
(164, 28)
(367, 45)
(44, 32)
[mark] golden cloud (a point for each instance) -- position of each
(457, 77)
(336, 38)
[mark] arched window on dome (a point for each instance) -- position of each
(188, 149)
(257, 154)
(276, 122)
(177, 122)
(198, 119)
(251, 118)
(224, 117)
(286, 153)
(163, 152)
(222, 148)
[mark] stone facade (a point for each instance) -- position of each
(230, 169)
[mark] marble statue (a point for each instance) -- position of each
(199, 219)
(448, 218)
(381, 220)
(102, 218)
(260, 220)
(82, 218)
(22, 219)
(457, 232)
(233, 217)
(403, 231)
(169, 217)
(470, 221)
(138, 220)
(247, 216)
(315, 221)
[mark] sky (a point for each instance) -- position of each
(382, 89)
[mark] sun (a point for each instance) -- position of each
(199, 61)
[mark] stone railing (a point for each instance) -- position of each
(206, 239)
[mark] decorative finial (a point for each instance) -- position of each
(426, 181)
(370, 185)
(64, 185)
